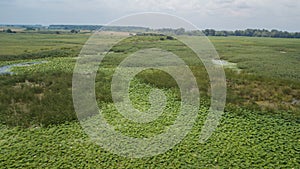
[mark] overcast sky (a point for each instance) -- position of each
(217, 14)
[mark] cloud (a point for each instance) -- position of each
(214, 13)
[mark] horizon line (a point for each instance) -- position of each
(67, 24)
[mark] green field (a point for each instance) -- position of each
(274, 58)
(260, 127)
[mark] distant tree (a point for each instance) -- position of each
(221, 33)
(10, 31)
(238, 33)
(257, 34)
(170, 38)
(209, 32)
(274, 33)
(179, 31)
(74, 31)
(30, 29)
(195, 33)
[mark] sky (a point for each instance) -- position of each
(215, 14)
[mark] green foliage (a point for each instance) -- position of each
(35, 42)
(255, 91)
(249, 140)
(259, 129)
(253, 33)
(277, 58)
(9, 31)
(158, 78)
(74, 31)
(170, 38)
(30, 29)
(74, 27)
(40, 99)
(65, 52)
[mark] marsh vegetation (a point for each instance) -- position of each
(39, 126)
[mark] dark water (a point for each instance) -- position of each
(6, 69)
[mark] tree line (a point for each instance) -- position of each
(248, 32)
(180, 31)
(253, 33)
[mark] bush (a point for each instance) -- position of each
(170, 38)
(10, 31)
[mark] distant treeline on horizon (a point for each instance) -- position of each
(180, 31)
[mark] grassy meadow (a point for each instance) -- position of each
(260, 127)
